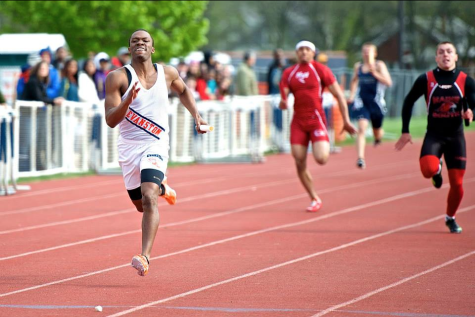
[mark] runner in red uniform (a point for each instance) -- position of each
(306, 81)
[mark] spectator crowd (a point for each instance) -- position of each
(53, 77)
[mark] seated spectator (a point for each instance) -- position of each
(35, 88)
(122, 58)
(69, 83)
(60, 58)
(87, 88)
(54, 80)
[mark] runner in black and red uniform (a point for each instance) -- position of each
(306, 81)
(445, 89)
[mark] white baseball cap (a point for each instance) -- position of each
(308, 44)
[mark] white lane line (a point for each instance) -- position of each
(95, 198)
(347, 210)
(114, 213)
(66, 222)
(187, 199)
(197, 182)
(221, 214)
(382, 289)
(304, 258)
(55, 190)
(61, 204)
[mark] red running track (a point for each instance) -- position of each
(239, 243)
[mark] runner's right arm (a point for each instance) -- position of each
(284, 89)
(417, 90)
(354, 83)
(115, 108)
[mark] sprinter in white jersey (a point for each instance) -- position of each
(137, 101)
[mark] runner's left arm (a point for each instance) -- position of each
(354, 83)
(328, 79)
(470, 92)
(381, 73)
(186, 97)
(340, 97)
(470, 97)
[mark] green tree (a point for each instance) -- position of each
(177, 27)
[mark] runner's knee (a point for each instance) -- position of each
(322, 159)
(429, 165)
(301, 164)
(149, 200)
(150, 194)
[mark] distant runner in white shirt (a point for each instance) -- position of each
(137, 101)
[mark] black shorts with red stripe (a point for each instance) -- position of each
(452, 147)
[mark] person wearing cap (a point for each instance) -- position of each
(122, 58)
(306, 81)
(103, 68)
(369, 81)
(54, 85)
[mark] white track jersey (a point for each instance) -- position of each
(147, 117)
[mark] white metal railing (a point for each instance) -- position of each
(74, 137)
(8, 146)
(53, 139)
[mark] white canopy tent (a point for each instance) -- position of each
(28, 43)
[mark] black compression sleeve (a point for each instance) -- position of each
(417, 90)
(470, 92)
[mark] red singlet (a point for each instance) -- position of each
(306, 82)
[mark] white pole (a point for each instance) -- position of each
(33, 133)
